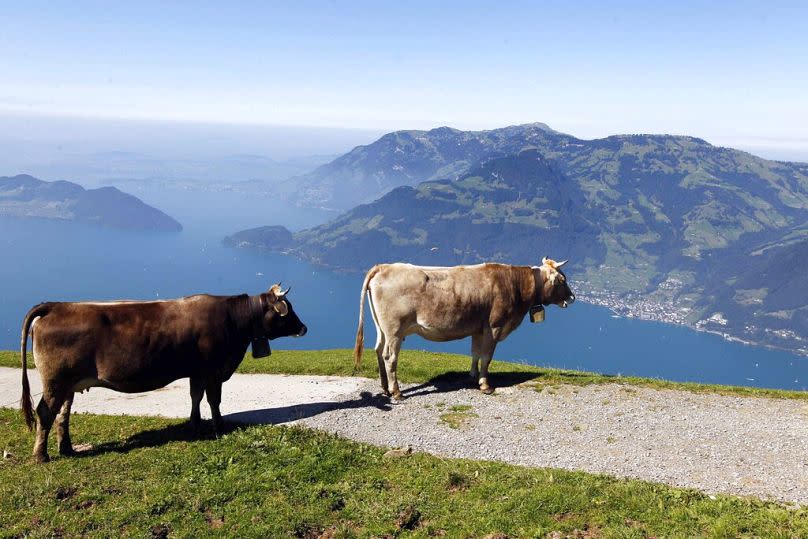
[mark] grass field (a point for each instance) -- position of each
(149, 477)
(146, 477)
(417, 366)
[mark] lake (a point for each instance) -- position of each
(47, 260)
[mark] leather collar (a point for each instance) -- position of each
(538, 296)
(259, 340)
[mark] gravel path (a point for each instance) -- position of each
(715, 443)
(249, 398)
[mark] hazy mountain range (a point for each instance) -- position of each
(109, 167)
(26, 196)
(657, 226)
(408, 158)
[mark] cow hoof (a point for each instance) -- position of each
(398, 397)
(487, 390)
(67, 451)
(219, 429)
(41, 459)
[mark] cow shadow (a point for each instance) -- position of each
(456, 380)
(184, 432)
(178, 432)
(285, 414)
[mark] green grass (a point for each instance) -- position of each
(458, 415)
(146, 476)
(418, 366)
(457, 420)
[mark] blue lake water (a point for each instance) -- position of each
(47, 260)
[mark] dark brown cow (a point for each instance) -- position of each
(136, 346)
(486, 302)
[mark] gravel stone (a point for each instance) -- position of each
(746, 446)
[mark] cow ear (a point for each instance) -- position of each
(281, 307)
(274, 292)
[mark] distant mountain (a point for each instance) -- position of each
(409, 158)
(26, 196)
(477, 217)
(108, 167)
(657, 226)
(267, 238)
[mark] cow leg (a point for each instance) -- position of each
(476, 341)
(214, 394)
(380, 358)
(197, 390)
(487, 347)
(391, 350)
(380, 344)
(46, 412)
(63, 427)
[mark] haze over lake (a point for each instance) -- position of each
(50, 260)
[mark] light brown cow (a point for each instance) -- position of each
(486, 302)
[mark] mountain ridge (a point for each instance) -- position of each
(407, 157)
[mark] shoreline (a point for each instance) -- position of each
(656, 312)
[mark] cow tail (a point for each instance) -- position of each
(26, 403)
(359, 348)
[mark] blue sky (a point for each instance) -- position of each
(734, 73)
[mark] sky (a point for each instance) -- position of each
(731, 72)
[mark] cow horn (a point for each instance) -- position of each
(544, 261)
(559, 264)
(283, 293)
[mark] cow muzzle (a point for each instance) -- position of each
(569, 301)
(302, 331)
